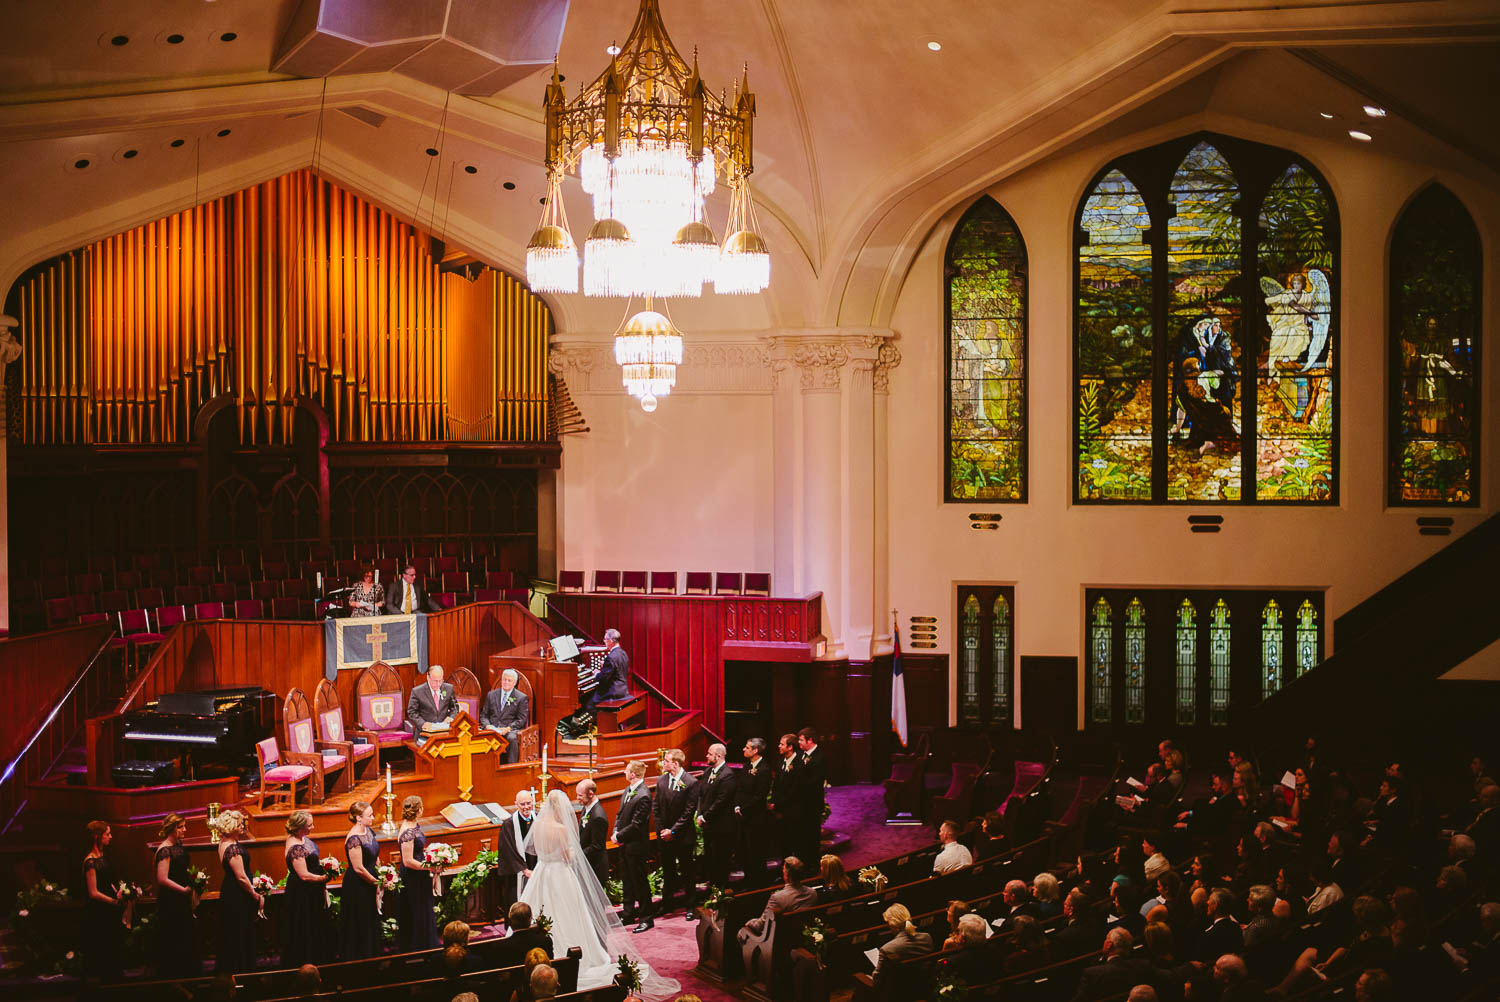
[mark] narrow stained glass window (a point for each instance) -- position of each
(1435, 292)
(986, 278)
(1272, 650)
(1114, 344)
(1307, 637)
(1187, 664)
(1135, 662)
(1295, 365)
(1000, 713)
(1101, 664)
(968, 710)
(1218, 665)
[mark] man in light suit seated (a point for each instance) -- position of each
(757, 936)
(505, 710)
(431, 703)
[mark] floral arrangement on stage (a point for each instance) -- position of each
(873, 877)
(815, 935)
(717, 900)
(332, 867)
(40, 921)
(543, 922)
(197, 880)
(947, 987)
(440, 855)
(629, 977)
(455, 900)
(827, 807)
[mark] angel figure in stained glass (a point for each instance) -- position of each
(1299, 318)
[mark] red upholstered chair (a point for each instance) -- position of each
(382, 706)
(729, 583)
(698, 583)
(321, 552)
(634, 581)
(169, 616)
(137, 636)
(114, 601)
(522, 595)
(570, 580)
(201, 576)
(498, 579)
(104, 563)
(94, 617)
(958, 800)
(249, 608)
(903, 788)
(350, 570)
(224, 591)
(757, 583)
(366, 553)
(60, 611)
(128, 580)
(146, 561)
(88, 584)
(445, 599)
(482, 549)
(296, 588)
(455, 581)
(303, 745)
(228, 556)
(445, 564)
(329, 714)
(150, 598)
(1028, 775)
(55, 586)
(307, 608)
(208, 610)
(266, 591)
(282, 775)
(312, 568)
(664, 582)
(85, 604)
(606, 580)
(389, 568)
(55, 566)
(284, 608)
(468, 692)
(488, 595)
(452, 548)
(273, 570)
(423, 566)
(423, 548)
(187, 594)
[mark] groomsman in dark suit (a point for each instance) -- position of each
(593, 830)
(786, 800)
(716, 803)
(753, 788)
(814, 766)
(633, 834)
(505, 710)
(672, 813)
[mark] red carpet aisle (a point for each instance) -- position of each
(672, 947)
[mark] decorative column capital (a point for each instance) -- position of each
(822, 354)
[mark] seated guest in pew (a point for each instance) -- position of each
(906, 941)
(1028, 947)
(534, 959)
(1047, 892)
(1017, 903)
(756, 936)
(1125, 897)
(522, 938)
(308, 980)
(991, 836)
(1084, 929)
(974, 963)
(953, 855)
(836, 885)
(506, 711)
(956, 911)
(543, 982)
(1171, 975)
(1119, 973)
(1234, 982)
(1222, 934)
(457, 958)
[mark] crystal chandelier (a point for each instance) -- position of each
(649, 142)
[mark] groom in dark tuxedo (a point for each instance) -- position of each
(633, 835)
(812, 769)
(593, 830)
(505, 710)
(676, 838)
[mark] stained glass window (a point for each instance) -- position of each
(1205, 362)
(986, 278)
(1218, 664)
(1135, 662)
(968, 710)
(1435, 285)
(1307, 637)
(1101, 663)
(1272, 649)
(1000, 628)
(1295, 362)
(1187, 664)
(1115, 343)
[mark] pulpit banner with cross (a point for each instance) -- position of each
(359, 642)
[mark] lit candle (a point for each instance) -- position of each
(387, 778)
(544, 758)
(320, 582)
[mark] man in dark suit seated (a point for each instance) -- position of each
(505, 710)
(1222, 934)
(1017, 902)
(612, 680)
(405, 595)
(522, 937)
(1083, 932)
(1119, 973)
(431, 702)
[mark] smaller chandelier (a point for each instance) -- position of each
(648, 350)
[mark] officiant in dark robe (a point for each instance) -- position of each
(514, 865)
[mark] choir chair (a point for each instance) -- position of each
(382, 706)
(303, 746)
(364, 754)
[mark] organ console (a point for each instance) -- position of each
(215, 725)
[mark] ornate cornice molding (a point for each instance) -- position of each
(822, 354)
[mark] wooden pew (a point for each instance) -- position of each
(415, 966)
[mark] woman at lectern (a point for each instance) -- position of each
(416, 928)
(177, 953)
(359, 910)
(304, 906)
(366, 596)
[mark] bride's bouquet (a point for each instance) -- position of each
(263, 885)
(440, 855)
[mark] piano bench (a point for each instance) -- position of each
(627, 714)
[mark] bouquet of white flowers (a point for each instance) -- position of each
(387, 878)
(263, 885)
(332, 866)
(440, 855)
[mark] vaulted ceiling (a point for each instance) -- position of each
(112, 113)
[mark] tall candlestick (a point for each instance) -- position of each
(544, 758)
(387, 778)
(320, 582)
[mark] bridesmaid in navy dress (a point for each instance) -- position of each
(103, 932)
(304, 905)
(177, 953)
(359, 914)
(238, 901)
(416, 924)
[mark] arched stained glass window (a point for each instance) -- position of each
(1135, 662)
(1187, 664)
(1101, 664)
(1218, 664)
(1115, 353)
(1000, 639)
(1307, 637)
(1205, 362)
(1436, 273)
(968, 710)
(1272, 650)
(986, 288)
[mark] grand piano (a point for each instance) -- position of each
(217, 727)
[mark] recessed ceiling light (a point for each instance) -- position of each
(613, 50)
(174, 39)
(1374, 111)
(120, 40)
(129, 154)
(432, 151)
(228, 36)
(176, 143)
(1326, 114)
(935, 46)
(471, 169)
(80, 164)
(541, 201)
(1363, 137)
(223, 132)
(509, 186)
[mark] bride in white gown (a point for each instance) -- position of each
(563, 886)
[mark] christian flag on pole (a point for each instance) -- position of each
(898, 693)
